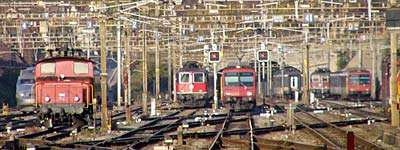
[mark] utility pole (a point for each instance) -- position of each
(126, 80)
(393, 79)
(174, 73)
(169, 68)
(119, 64)
(157, 68)
(103, 62)
(329, 45)
(306, 96)
(144, 57)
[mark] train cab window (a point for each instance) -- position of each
(231, 79)
(27, 81)
(359, 79)
(47, 68)
(81, 68)
(184, 77)
(364, 79)
(247, 79)
(315, 78)
(325, 79)
(198, 77)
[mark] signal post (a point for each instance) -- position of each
(214, 57)
(263, 57)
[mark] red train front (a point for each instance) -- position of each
(194, 83)
(320, 84)
(359, 83)
(351, 84)
(238, 86)
(64, 86)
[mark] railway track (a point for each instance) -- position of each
(335, 137)
(360, 112)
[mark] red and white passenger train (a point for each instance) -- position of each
(238, 87)
(319, 83)
(64, 87)
(194, 83)
(352, 83)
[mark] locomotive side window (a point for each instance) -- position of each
(184, 77)
(198, 77)
(47, 68)
(81, 68)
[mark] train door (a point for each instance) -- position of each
(294, 82)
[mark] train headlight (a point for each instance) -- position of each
(22, 94)
(76, 98)
(249, 94)
(228, 94)
(351, 89)
(47, 99)
(367, 89)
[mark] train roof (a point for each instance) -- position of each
(236, 67)
(27, 73)
(290, 69)
(64, 58)
(192, 70)
(322, 70)
(346, 72)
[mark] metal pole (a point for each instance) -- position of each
(270, 78)
(373, 88)
(329, 45)
(88, 47)
(144, 55)
(103, 62)
(360, 53)
(393, 79)
(169, 69)
(119, 64)
(263, 81)
(306, 87)
(126, 80)
(157, 70)
(259, 79)
(215, 87)
(174, 78)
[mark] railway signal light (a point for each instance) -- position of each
(214, 56)
(263, 55)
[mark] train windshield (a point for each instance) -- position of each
(198, 77)
(26, 81)
(239, 79)
(359, 79)
(246, 79)
(184, 78)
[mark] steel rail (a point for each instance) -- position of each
(219, 134)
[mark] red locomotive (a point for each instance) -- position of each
(351, 84)
(64, 87)
(194, 83)
(238, 86)
(320, 84)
